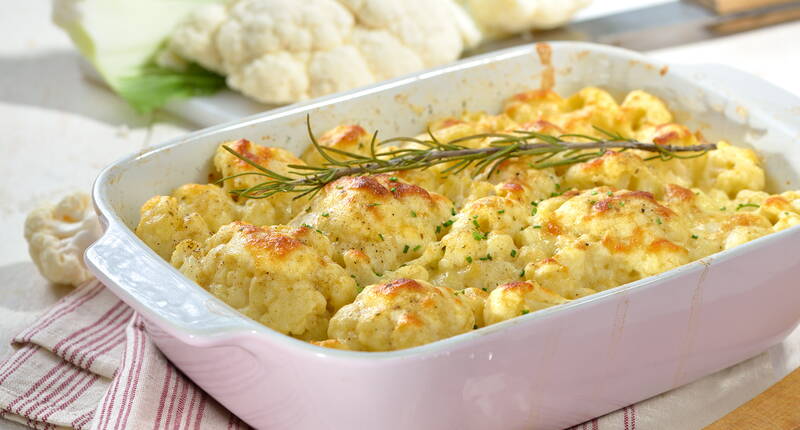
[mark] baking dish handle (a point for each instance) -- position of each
(747, 89)
(138, 276)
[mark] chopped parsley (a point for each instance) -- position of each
(406, 248)
(453, 211)
(537, 226)
(393, 179)
(479, 236)
(393, 189)
(475, 223)
(438, 228)
(373, 204)
(747, 205)
(658, 221)
(485, 289)
(610, 193)
(513, 252)
(722, 208)
(377, 274)
(487, 258)
(325, 214)
(413, 214)
(381, 236)
(522, 273)
(534, 210)
(694, 236)
(469, 259)
(416, 248)
(501, 211)
(448, 223)
(525, 312)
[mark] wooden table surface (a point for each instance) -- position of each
(57, 130)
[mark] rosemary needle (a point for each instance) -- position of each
(309, 180)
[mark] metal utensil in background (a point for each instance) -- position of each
(663, 25)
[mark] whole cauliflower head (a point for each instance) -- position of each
(58, 236)
(280, 276)
(401, 314)
(283, 51)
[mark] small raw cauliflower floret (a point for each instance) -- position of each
(164, 222)
(502, 17)
(480, 250)
(281, 277)
(376, 223)
(58, 236)
(518, 298)
(276, 209)
(284, 51)
(400, 314)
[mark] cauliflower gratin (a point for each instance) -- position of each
(400, 259)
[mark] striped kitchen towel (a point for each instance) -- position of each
(88, 363)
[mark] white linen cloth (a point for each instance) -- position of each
(88, 363)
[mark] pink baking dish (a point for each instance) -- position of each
(546, 370)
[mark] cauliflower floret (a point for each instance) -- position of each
(518, 298)
(210, 202)
(276, 209)
(351, 138)
(624, 170)
(164, 223)
(58, 236)
(597, 239)
(281, 277)
(284, 51)
(480, 250)
(502, 17)
(400, 314)
(376, 222)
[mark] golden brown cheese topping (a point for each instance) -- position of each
(391, 261)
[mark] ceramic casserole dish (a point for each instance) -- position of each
(545, 370)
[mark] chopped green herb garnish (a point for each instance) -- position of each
(453, 211)
(438, 228)
(522, 273)
(469, 259)
(448, 223)
(487, 258)
(534, 210)
(610, 193)
(479, 236)
(747, 205)
(501, 211)
(485, 289)
(722, 208)
(413, 214)
(513, 252)
(537, 226)
(658, 221)
(374, 204)
(694, 236)
(325, 214)
(377, 274)
(416, 248)
(393, 179)
(393, 189)
(406, 248)
(475, 223)
(525, 312)
(381, 236)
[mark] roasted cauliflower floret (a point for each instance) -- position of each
(276, 209)
(280, 276)
(731, 169)
(164, 222)
(480, 250)
(376, 223)
(210, 202)
(58, 236)
(350, 138)
(400, 314)
(518, 298)
(597, 239)
(623, 170)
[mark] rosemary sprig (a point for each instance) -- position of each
(548, 150)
